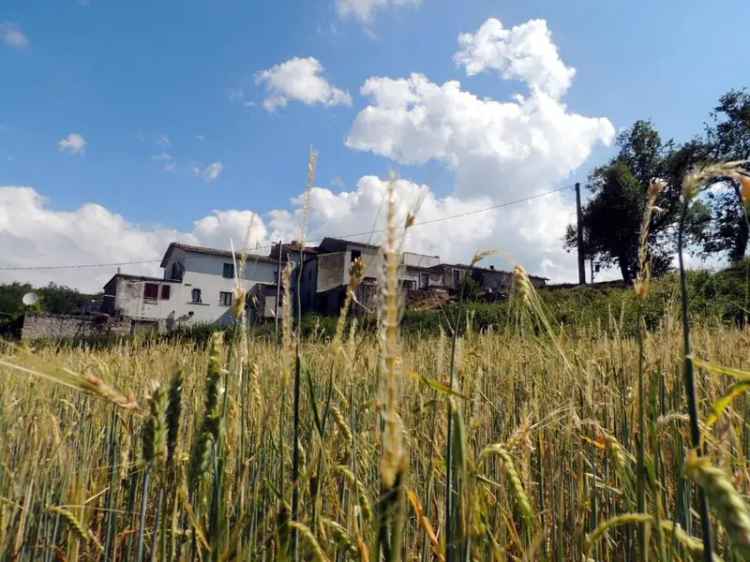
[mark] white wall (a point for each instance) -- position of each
(202, 272)
(129, 300)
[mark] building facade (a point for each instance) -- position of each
(198, 283)
(197, 288)
(333, 262)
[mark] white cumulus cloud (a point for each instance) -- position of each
(524, 52)
(361, 211)
(529, 233)
(12, 36)
(299, 79)
(74, 143)
(243, 227)
(495, 148)
(364, 10)
(210, 173)
(499, 150)
(32, 233)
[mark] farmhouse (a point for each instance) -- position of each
(198, 283)
(197, 288)
(327, 274)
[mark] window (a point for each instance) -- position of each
(225, 298)
(424, 280)
(150, 291)
(178, 271)
(356, 254)
(196, 294)
(165, 292)
(228, 272)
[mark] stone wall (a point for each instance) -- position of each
(59, 326)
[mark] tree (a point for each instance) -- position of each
(10, 299)
(54, 299)
(612, 217)
(612, 220)
(59, 299)
(728, 138)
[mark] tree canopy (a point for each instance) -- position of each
(612, 217)
(728, 138)
(54, 299)
(716, 223)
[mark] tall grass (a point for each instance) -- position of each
(547, 444)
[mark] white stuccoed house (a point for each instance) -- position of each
(197, 288)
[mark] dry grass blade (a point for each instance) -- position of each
(89, 384)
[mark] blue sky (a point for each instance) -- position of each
(160, 91)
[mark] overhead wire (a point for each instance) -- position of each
(269, 246)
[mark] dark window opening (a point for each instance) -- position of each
(456, 278)
(196, 294)
(178, 271)
(225, 298)
(228, 272)
(150, 291)
(165, 292)
(424, 280)
(356, 254)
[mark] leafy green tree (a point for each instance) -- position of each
(59, 299)
(613, 215)
(728, 138)
(10, 299)
(53, 299)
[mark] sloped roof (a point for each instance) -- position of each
(210, 252)
(330, 244)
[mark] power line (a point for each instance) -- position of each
(269, 246)
(75, 266)
(443, 219)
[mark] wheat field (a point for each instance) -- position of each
(542, 451)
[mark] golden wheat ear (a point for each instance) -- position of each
(727, 503)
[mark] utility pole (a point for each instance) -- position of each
(579, 236)
(278, 293)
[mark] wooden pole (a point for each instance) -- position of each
(278, 293)
(579, 236)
